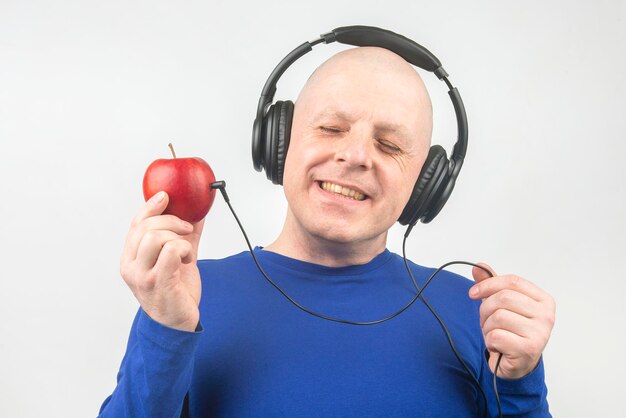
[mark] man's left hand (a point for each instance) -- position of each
(516, 318)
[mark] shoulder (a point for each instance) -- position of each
(230, 261)
(448, 294)
(236, 266)
(228, 275)
(445, 289)
(443, 277)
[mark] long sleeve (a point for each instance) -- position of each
(524, 397)
(155, 373)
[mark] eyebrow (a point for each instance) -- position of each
(334, 113)
(390, 127)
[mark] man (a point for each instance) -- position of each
(360, 135)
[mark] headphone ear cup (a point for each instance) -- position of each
(283, 137)
(278, 132)
(433, 172)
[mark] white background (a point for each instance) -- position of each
(92, 92)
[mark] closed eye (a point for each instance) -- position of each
(389, 146)
(330, 129)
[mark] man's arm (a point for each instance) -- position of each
(155, 373)
(159, 265)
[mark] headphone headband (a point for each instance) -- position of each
(408, 49)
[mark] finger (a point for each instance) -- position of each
(492, 285)
(194, 236)
(150, 247)
(505, 342)
(511, 300)
(509, 321)
(156, 222)
(172, 255)
(480, 274)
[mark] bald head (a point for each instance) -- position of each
(373, 71)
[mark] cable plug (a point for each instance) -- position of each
(222, 186)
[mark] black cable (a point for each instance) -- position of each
(443, 326)
(495, 384)
(302, 307)
(221, 185)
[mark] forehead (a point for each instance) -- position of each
(356, 90)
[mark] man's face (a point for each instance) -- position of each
(361, 130)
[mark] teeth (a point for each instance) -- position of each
(344, 191)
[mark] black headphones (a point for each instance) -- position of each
(272, 127)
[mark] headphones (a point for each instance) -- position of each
(272, 126)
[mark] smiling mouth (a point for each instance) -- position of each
(342, 191)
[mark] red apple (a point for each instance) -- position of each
(187, 182)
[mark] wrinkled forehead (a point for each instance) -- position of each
(364, 88)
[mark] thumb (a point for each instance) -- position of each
(155, 205)
(480, 274)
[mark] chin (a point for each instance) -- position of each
(346, 234)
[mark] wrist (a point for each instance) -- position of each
(510, 373)
(189, 324)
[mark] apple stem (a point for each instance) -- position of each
(172, 149)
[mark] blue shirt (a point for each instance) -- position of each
(254, 354)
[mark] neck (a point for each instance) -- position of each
(295, 242)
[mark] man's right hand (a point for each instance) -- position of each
(159, 265)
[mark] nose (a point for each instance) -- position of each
(355, 150)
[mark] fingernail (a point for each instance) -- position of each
(158, 197)
(474, 290)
